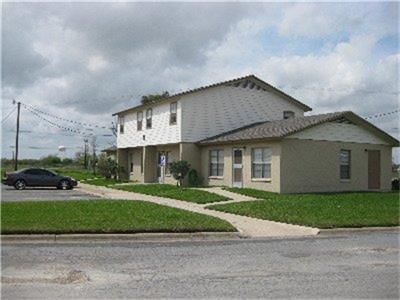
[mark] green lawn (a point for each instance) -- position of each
(102, 216)
(101, 181)
(174, 192)
(78, 174)
(319, 210)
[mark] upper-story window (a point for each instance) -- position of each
(149, 114)
(287, 114)
(139, 120)
(172, 113)
(121, 122)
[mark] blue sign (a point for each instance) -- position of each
(162, 160)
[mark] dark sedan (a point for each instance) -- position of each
(39, 178)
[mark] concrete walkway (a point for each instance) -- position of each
(234, 197)
(247, 226)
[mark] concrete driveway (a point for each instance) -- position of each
(9, 194)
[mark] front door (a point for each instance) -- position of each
(237, 169)
(374, 169)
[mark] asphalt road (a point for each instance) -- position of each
(8, 193)
(362, 265)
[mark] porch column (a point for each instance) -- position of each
(149, 164)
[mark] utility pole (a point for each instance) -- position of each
(17, 136)
(86, 148)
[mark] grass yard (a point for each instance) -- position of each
(101, 181)
(319, 210)
(174, 192)
(102, 216)
(78, 174)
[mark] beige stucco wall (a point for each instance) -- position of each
(122, 159)
(137, 155)
(313, 166)
(272, 185)
(191, 153)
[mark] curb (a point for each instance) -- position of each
(359, 229)
(123, 237)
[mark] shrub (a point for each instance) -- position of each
(179, 170)
(194, 179)
(108, 167)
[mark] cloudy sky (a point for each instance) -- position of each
(85, 61)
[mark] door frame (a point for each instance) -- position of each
(237, 166)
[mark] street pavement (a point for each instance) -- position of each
(9, 194)
(353, 265)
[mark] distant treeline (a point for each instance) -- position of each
(47, 161)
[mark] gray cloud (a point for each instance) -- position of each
(78, 59)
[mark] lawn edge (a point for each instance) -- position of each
(27, 238)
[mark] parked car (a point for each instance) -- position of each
(38, 177)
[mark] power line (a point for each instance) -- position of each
(57, 125)
(61, 118)
(9, 114)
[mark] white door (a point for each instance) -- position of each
(237, 169)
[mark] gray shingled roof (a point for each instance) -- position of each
(110, 149)
(282, 128)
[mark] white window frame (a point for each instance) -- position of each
(139, 120)
(346, 163)
(173, 113)
(265, 163)
(149, 116)
(220, 162)
(121, 123)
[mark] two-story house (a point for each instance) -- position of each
(247, 133)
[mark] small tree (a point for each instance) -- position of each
(179, 170)
(108, 167)
(104, 166)
(154, 98)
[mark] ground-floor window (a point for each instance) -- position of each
(261, 163)
(345, 160)
(216, 163)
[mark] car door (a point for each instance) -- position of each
(47, 178)
(32, 177)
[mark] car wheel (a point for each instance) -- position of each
(20, 184)
(64, 185)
